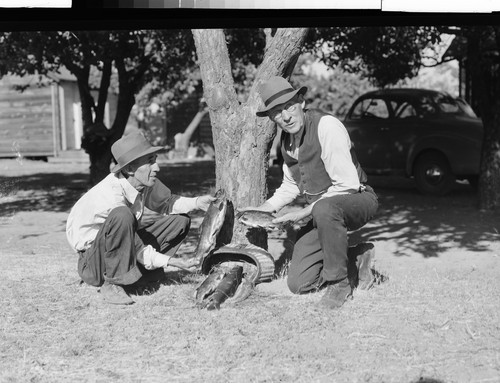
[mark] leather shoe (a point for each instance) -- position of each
(336, 294)
(115, 294)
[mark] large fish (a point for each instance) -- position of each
(208, 286)
(211, 225)
(225, 289)
(258, 218)
(264, 219)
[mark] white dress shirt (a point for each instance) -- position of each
(91, 210)
(335, 153)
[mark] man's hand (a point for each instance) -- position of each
(204, 201)
(190, 264)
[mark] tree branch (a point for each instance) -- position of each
(103, 91)
(437, 62)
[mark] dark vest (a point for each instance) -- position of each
(309, 170)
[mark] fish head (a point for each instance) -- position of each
(220, 194)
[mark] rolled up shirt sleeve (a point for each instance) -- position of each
(184, 205)
(286, 193)
(336, 155)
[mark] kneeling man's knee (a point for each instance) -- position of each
(292, 285)
(296, 286)
(325, 210)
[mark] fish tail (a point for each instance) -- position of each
(242, 292)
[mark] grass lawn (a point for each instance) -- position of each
(436, 319)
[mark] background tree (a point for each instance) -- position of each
(483, 52)
(137, 57)
(331, 89)
(383, 54)
(242, 140)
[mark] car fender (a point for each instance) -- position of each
(463, 153)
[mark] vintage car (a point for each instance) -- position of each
(425, 134)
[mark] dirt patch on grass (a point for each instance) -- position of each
(435, 320)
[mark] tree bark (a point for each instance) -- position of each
(486, 83)
(242, 141)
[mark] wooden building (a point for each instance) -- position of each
(42, 121)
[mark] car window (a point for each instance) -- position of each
(370, 108)
(427, 106)
(405, 110)
(450, 105)
(466, 108)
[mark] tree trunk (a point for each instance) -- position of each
(95, 133)
(242, 140)
(486, 83)
(103, 91)
(99, 149)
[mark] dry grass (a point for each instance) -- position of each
(435, 320)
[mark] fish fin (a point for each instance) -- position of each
(208, 293)
(221, 207)
(213, 306)
(239, 214)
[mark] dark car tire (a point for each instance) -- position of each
(433, 174)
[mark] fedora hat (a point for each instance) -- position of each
(277, 91)
(129, 148)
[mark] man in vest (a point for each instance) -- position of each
(105, 226)
(320, 165)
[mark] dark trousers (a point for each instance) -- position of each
(320, 253)
(113, 254)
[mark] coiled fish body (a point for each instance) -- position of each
(225, 289)
(211, 225)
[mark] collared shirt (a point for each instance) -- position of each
(335, 153)
(91, 210)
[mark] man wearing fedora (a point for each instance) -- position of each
(105, 228)
(320, 165)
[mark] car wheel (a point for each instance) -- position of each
(433, 174)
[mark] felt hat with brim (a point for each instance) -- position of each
(129, 148)
(277, 91)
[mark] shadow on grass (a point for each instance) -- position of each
(427, 380)
(51, 192)
(153, 280)
(58, 192)
(429, 225)
(420, 224)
